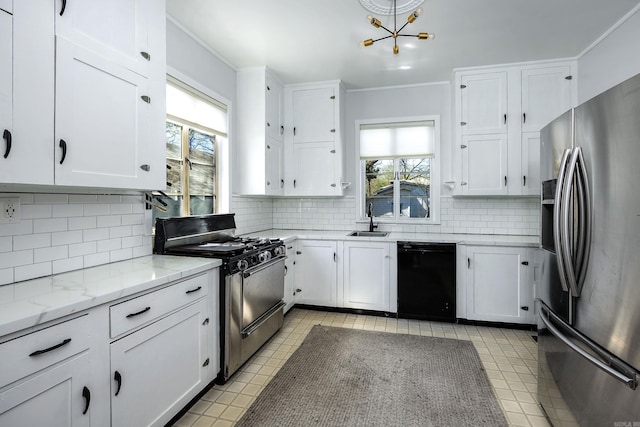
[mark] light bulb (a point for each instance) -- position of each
(369, 18)
(418, 12)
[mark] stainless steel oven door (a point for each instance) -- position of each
(252, 312)
(262, 289)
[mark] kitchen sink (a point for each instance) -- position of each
(368, 234)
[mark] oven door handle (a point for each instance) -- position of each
(255, 325)
(261, 267)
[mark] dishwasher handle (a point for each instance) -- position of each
(407, 247)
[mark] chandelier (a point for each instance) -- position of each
(396, 31)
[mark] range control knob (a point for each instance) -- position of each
(243, 264)
(264, 256)
(279, 250)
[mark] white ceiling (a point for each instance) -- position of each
(305, 40)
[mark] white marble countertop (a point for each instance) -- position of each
(30, 303)
(392, 237)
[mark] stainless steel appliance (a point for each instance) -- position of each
(588, 300)
(251, 280)
(427, 281)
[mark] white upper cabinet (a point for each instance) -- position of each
(26, 93)
(483, 103)
(260, 136)
(499, 114)
(116, 29)
(6, 81)
(314, 138)
(110, 94)
(106, 64)
(546, 93)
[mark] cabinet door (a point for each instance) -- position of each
(289, 276)
(484, 165)
(56, 396)
(151, 389)
(274, 109)
(314, 115)
(118, 30)
(530, 164)
(484, 103)
(103, 120)
(314, 170)
(6, 79)
(366, 276)
(274, 166)
(498, 285)
(316, 272)
(546, 93)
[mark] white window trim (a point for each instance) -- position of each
(435, 173)
(223, 197)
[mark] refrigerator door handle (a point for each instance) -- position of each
(585, 217)
(624, 373)
(557, 219)
(566, 246)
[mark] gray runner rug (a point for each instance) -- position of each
(346, 377)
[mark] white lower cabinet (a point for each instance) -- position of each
(497, 283)
(289, 276)
(366, 277)
(137, 361)
(47, 376)
(316, 272)
(58, 396)
(160, 368)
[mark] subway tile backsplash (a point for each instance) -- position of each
(64, 232)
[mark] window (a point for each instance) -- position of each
(195, 127)
(399, 177)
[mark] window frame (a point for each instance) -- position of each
(435, 175)
(223, 164)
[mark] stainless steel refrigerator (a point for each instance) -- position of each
(588, 300)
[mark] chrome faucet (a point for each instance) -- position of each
(370, 215)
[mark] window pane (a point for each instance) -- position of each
(174, 176)
(415, 181)
(201, 180)
(379, 186)
(201, 205)
(173, 207)
(174, 140)
(201, 147)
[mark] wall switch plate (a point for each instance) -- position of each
(9, 209)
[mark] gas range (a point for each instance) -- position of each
(251, 280)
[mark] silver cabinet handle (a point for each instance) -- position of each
(629, 377)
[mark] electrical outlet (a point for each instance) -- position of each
(9, 209)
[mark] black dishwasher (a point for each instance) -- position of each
(427, 281)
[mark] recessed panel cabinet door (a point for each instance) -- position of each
(56, 396)
(314, 170)
(530, 179)
(484, 165)
(366, 276)
(157, 370)
(316, 272)
(314, 113)
(102, 123)
(116, 29)
(484, 103)
(546, 93)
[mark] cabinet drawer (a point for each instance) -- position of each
(35, 351)
(136, 312)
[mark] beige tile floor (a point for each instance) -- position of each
(509, 357)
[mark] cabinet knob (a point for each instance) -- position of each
(206, 363)
(146, 99)
(333, 151)
(268, 124)
(332, 131)
(524, 308)
(525, 263)
(268, 147)
(146, 55)
(268, 182)
(333, 185)
(298, 290)
(463, 123)
(145, 167)
(281, 130)
(463, 146)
